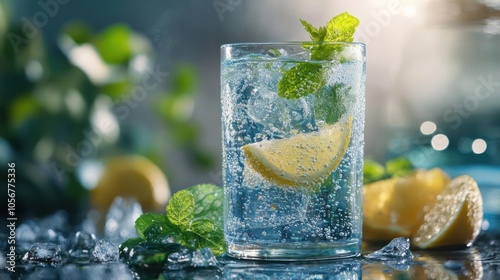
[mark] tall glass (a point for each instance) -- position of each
(292, 134)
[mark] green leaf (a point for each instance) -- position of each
(180, 209)
(147, 220)
(185, 81)
(372, 171)
(399, 166)
(301, 80)
(309, 78)
(114, 44)
(341, 28)
(129, 244)
(78, 31)
(208, 200)
(208, 234)
(333, 102)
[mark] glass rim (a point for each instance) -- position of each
(290, 43)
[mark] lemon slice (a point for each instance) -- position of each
(303, 159)
(395, 207)
(131, 176)
(454, 219)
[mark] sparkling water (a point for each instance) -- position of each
(266, 220)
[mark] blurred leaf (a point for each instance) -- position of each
(372, 171)
(185, 80)
(114, 44)
(399, 166)
(78, 31)
(22, 109)
(117, 89)
(175, 109)
(203, 158)
(184, 134)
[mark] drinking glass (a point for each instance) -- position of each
(292, 136)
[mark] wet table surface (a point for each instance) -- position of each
(481, 261)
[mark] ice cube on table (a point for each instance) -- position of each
(398, 248)
(43, 253)
(203, 258)
(120, 220)
(104, 251)
(83, 244)
(179, 260)
(396, 254)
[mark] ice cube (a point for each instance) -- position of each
(278, 115)
(83, 244)
(203, 258)
(179, 260)
(397, 249)
(43, 254)
(120, 220)
(104, 251)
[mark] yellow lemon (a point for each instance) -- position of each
(302, 160)
(395, 207)
(454, 219)
(131, 176)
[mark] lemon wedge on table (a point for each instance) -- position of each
(454, 219)
(301, 160)
(395, 207)
(131, 176)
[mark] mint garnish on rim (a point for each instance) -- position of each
(308, 77)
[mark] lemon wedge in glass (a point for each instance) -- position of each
(304, 159)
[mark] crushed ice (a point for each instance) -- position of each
(398, 248)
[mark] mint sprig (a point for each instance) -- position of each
(307, 77)
(396, 167)
(193, 218)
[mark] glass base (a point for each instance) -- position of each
(294, 252)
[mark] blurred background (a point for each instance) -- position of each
(85, 81)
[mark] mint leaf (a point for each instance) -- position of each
(341, 28)
(208, 234)
(315, 33)
(148, 219)
(332, 102)
(372, 171)
(208, 200)
(301, 80)
(399, 166)
(180, 209)
(308, 78)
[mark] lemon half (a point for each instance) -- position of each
(455, 218)
(395, 207)
(131, 176)
(303, 159)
